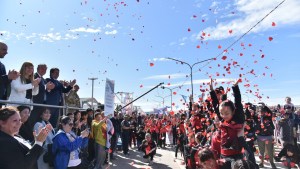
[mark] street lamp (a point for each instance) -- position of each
(164, 99)
(93, 79)
(171, 90)
(191, 68)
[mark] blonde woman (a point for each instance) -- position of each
(24, 87)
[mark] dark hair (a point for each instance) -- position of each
(44, 110)
(22, 107)
(205, 154)
(64, 120)
(266, 109)
(229, 104)
(243, 164)
(7, 112)
(88, 110)
(97, 114)
(75, 114)
(70, 113)
(53, 69)
(83, 113)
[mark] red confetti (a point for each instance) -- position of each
(174, 93)
(224, 57)
(151, 64)
(241, 54)
(230, 31)
(273, 24)
(141, 86)
(189, 29)
(198, 46)
(270, 38)
(262, 56)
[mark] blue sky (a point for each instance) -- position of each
(119, 39)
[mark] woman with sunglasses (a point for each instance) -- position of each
(66, 145)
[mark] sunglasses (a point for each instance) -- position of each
(71, 124)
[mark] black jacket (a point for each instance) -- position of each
(15, 155)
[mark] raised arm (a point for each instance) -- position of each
(239, 111)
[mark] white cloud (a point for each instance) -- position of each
(87, 30)
(252, 11)
(113, 32)
(183, 83)
(165, 77)
(50, 37)
(158, 60)
(70, 36)
(109, 25)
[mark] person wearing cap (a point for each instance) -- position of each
(286, 127)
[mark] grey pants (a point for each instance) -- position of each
(270, 149)
(100, 155)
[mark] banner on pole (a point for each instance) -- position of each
(109, 103)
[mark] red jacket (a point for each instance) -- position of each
(229, 140)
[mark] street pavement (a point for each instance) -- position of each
(164, 159)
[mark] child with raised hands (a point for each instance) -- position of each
(231, 115)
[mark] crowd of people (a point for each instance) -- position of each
(212, 134)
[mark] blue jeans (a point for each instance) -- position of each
(100, 155)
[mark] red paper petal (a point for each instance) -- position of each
(230, 31)
(219, 46)
(270, 38)
(224, 57)
(198, 46)
(273, 24)
(151, 64)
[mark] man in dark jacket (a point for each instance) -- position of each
(40, 98)
(55, 96)
(5, 79)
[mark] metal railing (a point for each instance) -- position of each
(65, 107)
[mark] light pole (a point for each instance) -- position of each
(191, 68)
(93, 79)
(171, 90)
(246, 96)
(164, 99)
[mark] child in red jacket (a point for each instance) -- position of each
(232, 120)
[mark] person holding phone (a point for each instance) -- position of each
(66, 145)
